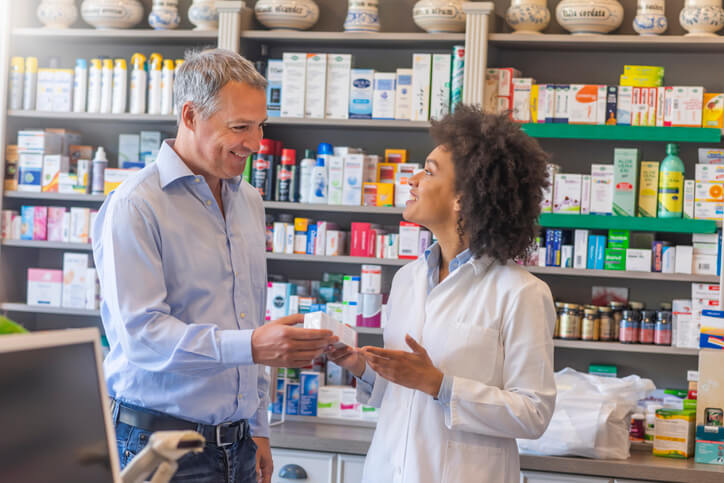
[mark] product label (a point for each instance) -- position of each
(671, 187)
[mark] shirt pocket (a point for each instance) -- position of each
(472, 351)
(470, 462)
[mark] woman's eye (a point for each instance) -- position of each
(428, 172)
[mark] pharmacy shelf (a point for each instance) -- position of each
(622, 274)
(30, 195)
(320, 208)
(127, 36)
(350, 123)
(598, 222)
(395, 262)
(321, 420)
(618, 347)
(10, 307)
(623, 133)
(92, 116)
(359, 39)
(625, 43)
(47, 245)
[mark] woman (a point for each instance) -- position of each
(468, 360)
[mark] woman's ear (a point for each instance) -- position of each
(458, 205)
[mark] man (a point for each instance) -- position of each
(179, 249)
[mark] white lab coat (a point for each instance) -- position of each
(490, 327)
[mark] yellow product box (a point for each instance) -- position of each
(386, 172)
(113, 177)
(674, 433)
(712, 114)
(11, 167)
(648, 189)
(638, 81)
(395, 155)
(709, 192)
(643, 70)
(534, 90)
(385, 194)
(301, 224)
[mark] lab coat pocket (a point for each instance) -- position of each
(472, 351)
(471, 462)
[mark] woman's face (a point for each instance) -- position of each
(433, 201)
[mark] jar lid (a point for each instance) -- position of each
(616, 305)
(604, 310)
(571, 306)
(663, 316)
(636, 305)
(631, 314)
(648, 314)
(591, 311)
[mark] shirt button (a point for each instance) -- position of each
(241, 396)
(242, 315)
(236, 274)
(208, 202)
(197, 179)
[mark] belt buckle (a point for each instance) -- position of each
(219, 441)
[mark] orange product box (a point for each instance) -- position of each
(395, 155)
(369, 194)
(386, 172)
(385, 194)
(713, 110)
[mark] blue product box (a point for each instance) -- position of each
(276, 406)
(600, 252)
(292, 399)
(311, 238)
(133, 165)
(360, 95)
(718, 255)
(309, 393)
(550, 249)
(709, 445)
(27, 222)
(274, 73)
(611, 105)
(591, 261)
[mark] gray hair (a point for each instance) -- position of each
(204, 73)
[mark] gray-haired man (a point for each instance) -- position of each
(179, 248)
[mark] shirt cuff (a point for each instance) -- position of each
(445, 394)
(235, 347)
(367, 380)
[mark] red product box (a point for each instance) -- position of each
(359, 245)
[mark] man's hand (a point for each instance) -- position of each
(279, 344)
(410, 369)
(349, 358)
(264, 463)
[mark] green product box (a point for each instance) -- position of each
(615, 259)
(625, 181)
(602, 370)
(333, 277)
(619, 239)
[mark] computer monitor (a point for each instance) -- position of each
(55, 424)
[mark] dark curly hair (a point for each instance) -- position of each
(500, 174)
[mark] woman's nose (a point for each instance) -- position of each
(414, 180)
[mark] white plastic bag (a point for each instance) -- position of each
(592, 416)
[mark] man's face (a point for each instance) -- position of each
(231, 134)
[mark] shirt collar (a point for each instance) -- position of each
(432, 257)
(171, 167)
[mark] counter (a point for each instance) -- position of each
(642, 465)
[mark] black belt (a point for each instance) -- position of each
(221, 435)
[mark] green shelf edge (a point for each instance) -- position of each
(623, 133)
(597, 222)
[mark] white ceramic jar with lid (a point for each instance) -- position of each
(528, 16)
(57, 14)
(287, 14)
(589, 16)
(439, 16)
(702, 18)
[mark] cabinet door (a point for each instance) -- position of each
(349, 468)
(538, 477)
(319, 467)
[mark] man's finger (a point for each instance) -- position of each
(414, 345)
(293, 319)
(298, 333)
(385, 353)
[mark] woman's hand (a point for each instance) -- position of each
(349, 358)
(410, 369)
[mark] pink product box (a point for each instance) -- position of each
(40, 223)
(44, 287)
(56, 218)
(6, 224)
(371, 310)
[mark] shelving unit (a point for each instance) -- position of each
(598, 222)
(48, 245)
(624, 133)
(144, 36)
(92, 116)
(36, 309)
(618, 347)
(352, 39)
(350, 123)
(345, 260)
(46, 196)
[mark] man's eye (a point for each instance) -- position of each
(239, 128)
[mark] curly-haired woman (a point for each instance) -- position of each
(468, 360)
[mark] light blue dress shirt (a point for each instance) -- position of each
(432, 259)
(183, 288)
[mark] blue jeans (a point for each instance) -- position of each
(235, 463)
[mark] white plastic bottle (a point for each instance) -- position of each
(120, 87)
(17, 78)
(319, 182)
(138, 84)
(100, 162)
(306, 166)
(177, 65)
(167, 87)
(31, 83)
(94, 85)
(80, 85)
(155, 63)
(107, 86)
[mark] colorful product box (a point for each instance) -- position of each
(403, 94)
(316, 86)
(596, 252)
(648, 189)
(602, 188)
(383, 102)
(409, 240)
(619, 239)
(674, 433)
(30, 171)
(583, 102)
(421, 74)
(687, 106)
(75, 267)
(615, 259)
(361, 93)
(440, 86)
(624, 106)
(709, 445)
(45, 287)
(547, 202)
(309, 384)
(522, 88)
(339, 71)
(40, 223)
(625, 179)
(611, 106)
(294, 71)
(274, 75)
(27, 222)
(567, 193)
(113, 178)
(386, 194)
(79, 224)
(562, 111)
(53, 165)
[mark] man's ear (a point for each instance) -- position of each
(189, 115)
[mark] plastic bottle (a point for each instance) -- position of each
(155, 64)
(671, 184)
(286, 176)
(17, 78)
(167, 87)
(138, 84)
(94, 85)
(107, 86)
(261, 170)
(177, 65)
(31, 83)
(120, 86)
(306, 166)
(80, 85)
(100, 162)
(319, 174)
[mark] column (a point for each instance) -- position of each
(230, 24)
(476, 50)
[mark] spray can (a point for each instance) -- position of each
(167, 87)
(80, 85)
(319, 174)
(100, 162)
(177, 65)
(306, 166)
(155, 63)
(286, 176)
(107, 86)
(120, 86)
(261, 171)
(31, 83)
(17, 78)
(138, 84)
(94, 85)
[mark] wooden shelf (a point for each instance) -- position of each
(319, 208)
(92, 116)
(360, 39)
(47, 245)
(10, 307)
(623, 133)
(599, 222)
(350, 123)
(618, 347)
(127, 36)
(622, 274)
(340, 259)
(30, 195)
